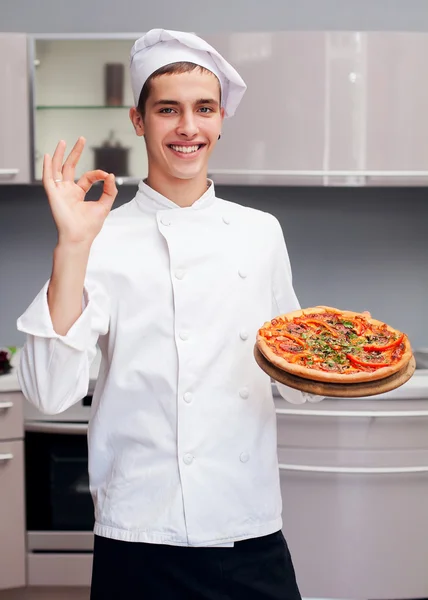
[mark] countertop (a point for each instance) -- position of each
(416, 387)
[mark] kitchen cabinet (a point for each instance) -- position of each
(301, 121)
(397, 99)
(322, 107)
(15, 130)
(12, 502)
(70, 100)
(279, 124)
(326, 108)
(354, 480)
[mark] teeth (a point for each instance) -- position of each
(185, 149)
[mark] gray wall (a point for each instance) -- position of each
(351, 248)
(58, 16)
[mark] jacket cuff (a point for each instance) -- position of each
(36, 321)
(296, 396)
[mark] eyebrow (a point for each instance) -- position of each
(176, 103)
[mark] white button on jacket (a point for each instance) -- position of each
(188, 397)
(201, 472)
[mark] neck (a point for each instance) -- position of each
(184, 192)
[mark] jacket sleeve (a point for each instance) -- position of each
(284, 300)
(53, 370)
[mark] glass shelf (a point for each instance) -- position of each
(79, 107)
(71, 100)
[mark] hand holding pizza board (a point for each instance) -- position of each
(332, 352)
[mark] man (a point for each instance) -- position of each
(182, 437)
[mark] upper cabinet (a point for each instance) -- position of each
(15, 147)
(395, 111)
(322, 108)
(82, 88)
(326, 108)
(280, 123)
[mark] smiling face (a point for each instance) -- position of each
(181, 123)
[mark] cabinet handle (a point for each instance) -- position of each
(5, 457)
(318, 173)
(393, 414)
(5, 405)
(66, 428)
(9, 171)
(354, 470)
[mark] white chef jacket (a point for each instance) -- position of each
(182, 435)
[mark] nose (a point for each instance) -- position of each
(187, 125)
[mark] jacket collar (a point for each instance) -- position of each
(153, 201)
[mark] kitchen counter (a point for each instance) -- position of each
(416, 387)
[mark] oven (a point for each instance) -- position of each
(59, 506)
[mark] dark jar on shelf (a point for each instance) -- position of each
(113, 81)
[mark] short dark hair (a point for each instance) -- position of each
(171, 69)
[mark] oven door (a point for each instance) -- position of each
(60, 511)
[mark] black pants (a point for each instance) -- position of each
(256, 569)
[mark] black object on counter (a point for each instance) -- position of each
(5, 365)
(112, 157)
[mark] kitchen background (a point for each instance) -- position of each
(362, 247)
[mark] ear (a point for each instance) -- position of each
(137, 121)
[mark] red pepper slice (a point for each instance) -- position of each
(297, 357)
(361, 363)
(293, 337)
(318, 322)
(387, 347)
(359, 327)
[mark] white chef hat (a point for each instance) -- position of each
(160, 47)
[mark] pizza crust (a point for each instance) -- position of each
(332, 377)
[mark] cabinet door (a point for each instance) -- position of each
(356, 531)
(280, 123)
(326, 108)
(12, 515)
(397, 101)
(14, 110)
(302, 117)
(11, 416)
(71, 95)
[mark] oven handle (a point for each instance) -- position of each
(354, 470)
(351, 413)
(5, 405)
(9, 171)
(5, 457)
(67, 428)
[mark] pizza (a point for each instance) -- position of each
(331, 345)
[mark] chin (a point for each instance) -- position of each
(189, 173)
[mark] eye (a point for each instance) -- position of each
(206, 109)
(166, 111)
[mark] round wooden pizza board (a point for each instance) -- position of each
(336, 390)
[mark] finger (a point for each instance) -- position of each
(109, 192)
(48, 182)
(72, 160)
(90, 177)
(57, 160)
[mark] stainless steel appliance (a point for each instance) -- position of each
(60, 512)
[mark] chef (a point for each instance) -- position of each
(172, 286)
